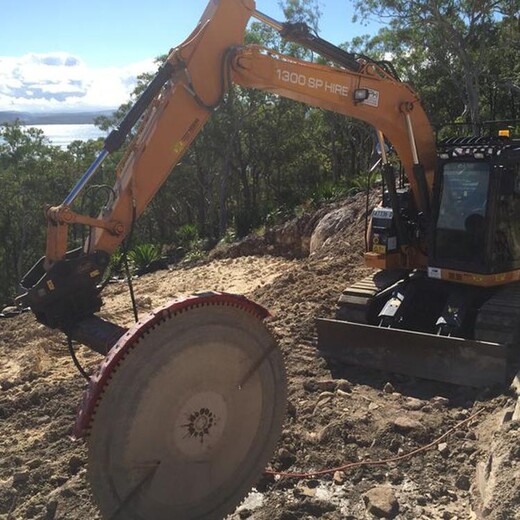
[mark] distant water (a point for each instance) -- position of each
(63, 135)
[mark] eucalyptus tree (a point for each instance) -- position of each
(456, 37)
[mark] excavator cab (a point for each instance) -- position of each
(477, 198)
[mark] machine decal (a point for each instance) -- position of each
(302, 80)
(434, 272)
(373, 98)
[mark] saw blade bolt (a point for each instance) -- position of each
(200, 423)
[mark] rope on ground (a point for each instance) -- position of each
(361, 463)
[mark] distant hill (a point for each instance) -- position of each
(62, 118)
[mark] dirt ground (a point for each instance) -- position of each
(336, 414)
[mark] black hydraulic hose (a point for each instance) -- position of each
(130, 288)
(389, 178)
(302, 34)
(77, 364)
(116, 138)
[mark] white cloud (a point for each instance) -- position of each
(63, 82)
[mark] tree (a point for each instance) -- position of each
(453, 36)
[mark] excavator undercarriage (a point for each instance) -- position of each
(425, 328)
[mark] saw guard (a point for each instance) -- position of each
(125, 343)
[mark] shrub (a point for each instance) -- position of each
(142, 255)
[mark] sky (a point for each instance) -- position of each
(68, 55)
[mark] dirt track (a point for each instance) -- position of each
(336, 414)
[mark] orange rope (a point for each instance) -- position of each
(362, 463)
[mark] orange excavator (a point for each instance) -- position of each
(187, 406)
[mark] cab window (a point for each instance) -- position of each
(506, 246)
(461, 218)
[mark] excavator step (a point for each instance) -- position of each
(441, 358)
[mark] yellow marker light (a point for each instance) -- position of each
(504, 133)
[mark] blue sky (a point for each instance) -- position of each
(78, 45)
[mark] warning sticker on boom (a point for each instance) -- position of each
(372, 99)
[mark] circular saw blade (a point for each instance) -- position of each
(190, 417)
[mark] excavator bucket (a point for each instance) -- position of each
(448, 359)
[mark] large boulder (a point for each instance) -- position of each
(334, 222)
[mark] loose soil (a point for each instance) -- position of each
(336, 414)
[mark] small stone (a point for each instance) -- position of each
(443, 449)
(404, 425)
(344, 385)
(468, 448)
(438, 402)
(381, 502)
(20, 478)
(75, 464)
(324, 398)
(286, 458)
(244, 513)
(461, 457)
(411, 403)
(305, 491)
(144, 302)
(342, 393)
(326, 385)
(339, 477)
(373, 406)
(388, 388)
(311, 437)
(463, 482)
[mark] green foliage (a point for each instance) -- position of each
(449, 49)
(187, 235)
(32, 173)
(115, 266)
(142, 255)
(328, 192)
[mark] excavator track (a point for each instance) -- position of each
(186, 412)
(356, 302)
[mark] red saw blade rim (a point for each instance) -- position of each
(98, 381)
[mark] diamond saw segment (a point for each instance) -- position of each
(189, 418)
